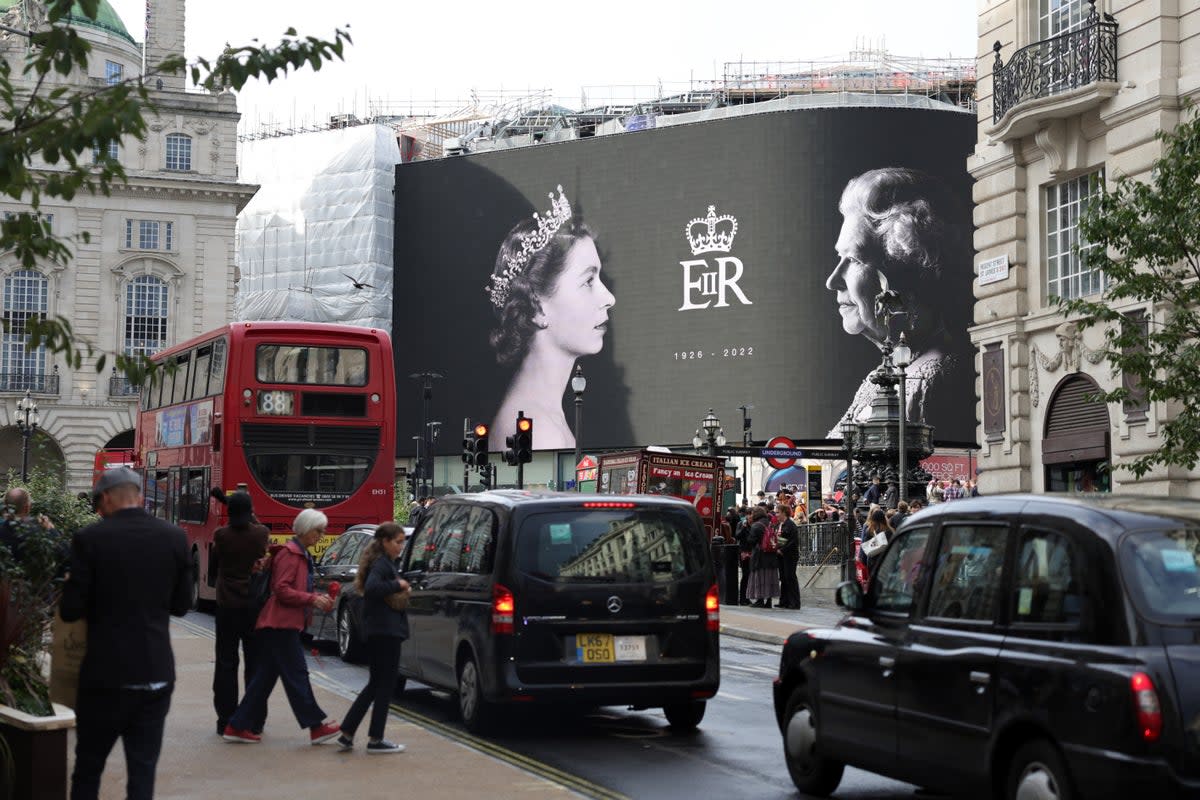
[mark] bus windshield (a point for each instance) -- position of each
(308, 364)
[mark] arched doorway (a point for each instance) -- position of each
(1076, 450)
(44, 453)
(123, 440)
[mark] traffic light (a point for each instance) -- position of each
(485, 477)
(468, 451)
(411, 480)
(479, 445)
(523, 439)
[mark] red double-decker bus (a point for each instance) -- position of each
(302, 415)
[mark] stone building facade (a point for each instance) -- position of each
(159, 266)
(1078, 99)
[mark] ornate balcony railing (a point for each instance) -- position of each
(1057, 65)
(120, 386)
(36, 382)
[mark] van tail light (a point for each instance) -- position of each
(1145, 703)
(712, 608)
(503, 607)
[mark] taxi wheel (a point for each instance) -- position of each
(685, 716)
(349, 647)
(812, 772)
(1037, 772)
(476, 712)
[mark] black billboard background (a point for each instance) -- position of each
(780, 174)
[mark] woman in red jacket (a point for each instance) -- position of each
(281, 653)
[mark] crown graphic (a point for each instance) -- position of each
(530, 244)
(711, 234)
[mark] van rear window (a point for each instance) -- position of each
(610, 546)
(1162, 569)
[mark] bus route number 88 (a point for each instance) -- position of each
(275, 403)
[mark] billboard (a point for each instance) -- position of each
(687, 267)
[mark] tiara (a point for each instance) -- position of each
(531, 243)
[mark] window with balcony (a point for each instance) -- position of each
(149, 234)
(145, 315)
(26, 299)
(179, 151)
(1061, 16)
(1067, 272)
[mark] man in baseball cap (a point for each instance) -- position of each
(111, 479)
(129, 573)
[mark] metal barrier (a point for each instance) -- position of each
(818, 540)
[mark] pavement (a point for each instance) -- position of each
(440, 762)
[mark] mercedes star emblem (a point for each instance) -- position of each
(614, 604)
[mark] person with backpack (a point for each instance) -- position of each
(278, 632)
(386, 628)
(763, 586)
(237, 547)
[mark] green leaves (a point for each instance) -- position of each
(1145, 238)
(50, 129)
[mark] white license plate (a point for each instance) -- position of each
(630, 648)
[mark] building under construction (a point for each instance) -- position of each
(494, 120)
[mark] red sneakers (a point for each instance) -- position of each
(325, 732)
(232, 734)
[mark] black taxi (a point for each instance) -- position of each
(1013, 646)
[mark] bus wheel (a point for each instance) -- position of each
(195, 604)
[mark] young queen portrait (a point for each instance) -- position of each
(551, 307)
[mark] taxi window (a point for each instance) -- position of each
(1047, 589)
(968, 572)
(1162, 569)
(897, 580)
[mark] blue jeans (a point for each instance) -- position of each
(383, 659)
(135, 716)
(280, 657)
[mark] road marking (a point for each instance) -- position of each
(724, 695)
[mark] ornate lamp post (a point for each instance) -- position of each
(27, 424)
(578, 385)
(849, 431)
(902, 357)
(714, 436)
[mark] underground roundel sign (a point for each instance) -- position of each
(782, 442)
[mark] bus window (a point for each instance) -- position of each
(200, 373)
(193, 496)
(158, 494)
(180, 386)
(319, 366)
(216, 380)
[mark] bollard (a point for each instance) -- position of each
(716, 547)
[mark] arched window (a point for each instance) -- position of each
(179, 151)
(145, 315)
(26, 297)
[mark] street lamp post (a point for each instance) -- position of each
(427, 379)
(578, 385)
(848, 431)
(902, 357)
(746, 438)
(714, 436)
(27, 424)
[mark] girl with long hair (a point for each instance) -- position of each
(386, 629)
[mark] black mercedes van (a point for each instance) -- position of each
(528, 597)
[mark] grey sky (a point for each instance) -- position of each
(416, 53)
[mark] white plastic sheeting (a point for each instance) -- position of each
(321, 222)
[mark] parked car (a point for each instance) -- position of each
(1026, 645)
(339, 565)
(549, 597)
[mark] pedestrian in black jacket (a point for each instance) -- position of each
(789, 560)
(386, 629)
(237, 547)
(129, 573)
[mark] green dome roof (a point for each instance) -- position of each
(106, 18)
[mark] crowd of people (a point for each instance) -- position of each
(768, 536)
